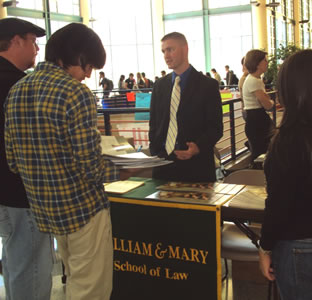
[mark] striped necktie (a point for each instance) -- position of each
(173, 127)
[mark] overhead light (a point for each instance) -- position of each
(255, 3)
(304, 21)
(273, 4)
(9, 3)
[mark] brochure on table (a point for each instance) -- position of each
(122, 154)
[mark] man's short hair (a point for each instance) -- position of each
(213, 70)
(5, 44)
(75, 45)
(175, 36)
(253, 58)
(227, 67)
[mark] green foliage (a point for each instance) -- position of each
(275, 60)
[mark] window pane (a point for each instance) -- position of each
(55, 25)
(125, 28)
(32, 4)
(69, 7)
(226, 3)
(290, 33)
(280, 32)
(229, 43)
(176, 6)
(192, 28)
(290, 9)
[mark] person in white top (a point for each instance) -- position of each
(259, 126)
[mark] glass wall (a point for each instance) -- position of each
(226, 3)
(228, 34)
(281, 25)
(230, 38)
(177, 6)
(68, 7)
(33, 4)
(271, 33)
(193, 30)
(125, 28)
(281, 33)
(305, 28)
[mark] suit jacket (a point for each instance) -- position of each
(12, 189)
(229, 77)
(199, 120)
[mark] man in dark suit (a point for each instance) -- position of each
(229, 75)
(198, 117)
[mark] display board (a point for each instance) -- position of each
(165, 250)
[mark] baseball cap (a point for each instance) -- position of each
(9, 27)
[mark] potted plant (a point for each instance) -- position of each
(282, 52)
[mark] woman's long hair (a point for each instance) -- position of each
(294, 134)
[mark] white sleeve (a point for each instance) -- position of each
(255, 85)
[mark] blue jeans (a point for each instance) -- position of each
(27, 256)
(292, 264)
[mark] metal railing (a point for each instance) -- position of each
(230, 146)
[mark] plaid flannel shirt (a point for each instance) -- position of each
(52, 141)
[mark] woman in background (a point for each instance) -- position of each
(122, 86)
(241, 83)
(259, 125)
(286, 237)
(121, 83)
(140, 81)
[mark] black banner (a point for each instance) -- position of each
(163, 252)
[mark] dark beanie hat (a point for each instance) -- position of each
(10, 27)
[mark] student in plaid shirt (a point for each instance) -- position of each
(52, 141)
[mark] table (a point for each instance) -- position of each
(170, 248)
(247, 205)
(166, 249)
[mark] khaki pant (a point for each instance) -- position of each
(88, 258)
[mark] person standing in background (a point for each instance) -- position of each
(106, 84)
(216, 75)
(140, 81)
(240, 85)
(148, 82)
(229, 75)
(27, 253)
(130, 82)
(259, 126)
(122, 85)
(185, 117)
(121, 82)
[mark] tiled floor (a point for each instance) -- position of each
(231, 290)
